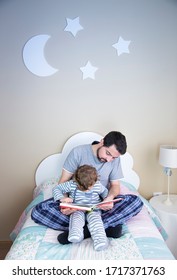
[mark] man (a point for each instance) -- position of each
(105, 157)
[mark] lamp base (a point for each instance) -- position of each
(167, 201)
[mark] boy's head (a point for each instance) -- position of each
(85, 176)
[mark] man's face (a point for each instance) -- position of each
(107, 154)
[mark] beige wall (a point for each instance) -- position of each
(135, 93)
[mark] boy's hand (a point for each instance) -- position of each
(66, 199)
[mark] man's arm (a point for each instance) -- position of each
(66, 176)
(114, 190)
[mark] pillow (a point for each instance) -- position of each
(46, 187)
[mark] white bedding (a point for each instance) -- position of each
(143, 236)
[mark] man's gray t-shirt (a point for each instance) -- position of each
(83, 154)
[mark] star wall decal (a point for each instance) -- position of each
(73, 26)
(122, 46)
(88, 71)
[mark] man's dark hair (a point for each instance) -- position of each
(118, 139)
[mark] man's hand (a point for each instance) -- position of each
(107, 206)
(67, 211)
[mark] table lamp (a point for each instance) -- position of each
(168, 159)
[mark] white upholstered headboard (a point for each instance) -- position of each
(52, 165)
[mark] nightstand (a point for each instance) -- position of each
(168, 216)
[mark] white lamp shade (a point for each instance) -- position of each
(168, 156)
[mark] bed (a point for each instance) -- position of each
(143, 235)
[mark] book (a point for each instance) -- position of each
(87, 207)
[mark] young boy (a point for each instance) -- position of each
(84, 189)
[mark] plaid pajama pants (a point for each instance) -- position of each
(47, 213)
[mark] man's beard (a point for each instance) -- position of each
(100, 159)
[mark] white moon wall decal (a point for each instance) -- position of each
(34, 58)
